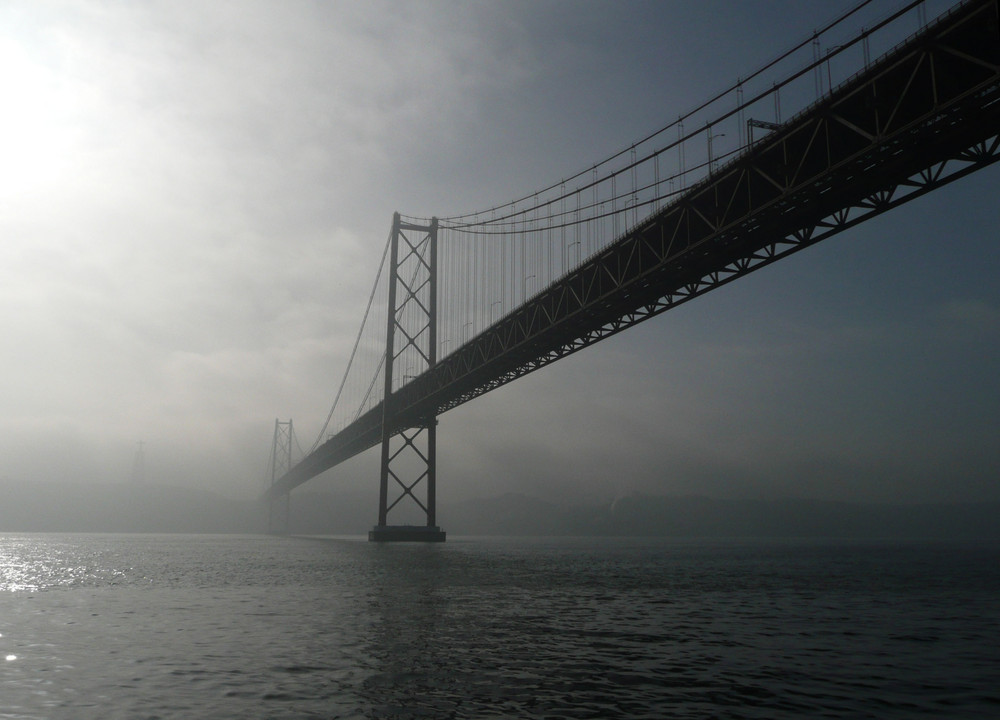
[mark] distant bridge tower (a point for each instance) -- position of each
(409, 458)
(281, 462)
(139, 466)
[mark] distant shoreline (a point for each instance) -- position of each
(66, 507)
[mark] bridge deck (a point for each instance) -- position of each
(922, 116)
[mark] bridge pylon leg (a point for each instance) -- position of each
(279, 511)
(279, 507)
(409, 454)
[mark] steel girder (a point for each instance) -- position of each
(923, 116)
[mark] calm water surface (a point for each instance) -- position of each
(174, 626)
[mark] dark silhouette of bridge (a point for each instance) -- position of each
(476, 301)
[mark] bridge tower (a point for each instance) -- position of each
(139, 465)
(279, 507)
(409, 456)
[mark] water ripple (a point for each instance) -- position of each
(222, 627)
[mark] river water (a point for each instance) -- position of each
(188, 626)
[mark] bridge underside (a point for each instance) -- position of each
(922, 117)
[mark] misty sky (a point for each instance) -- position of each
(194, 198)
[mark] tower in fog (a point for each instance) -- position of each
(139, 466)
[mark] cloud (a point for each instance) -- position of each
(201, 194)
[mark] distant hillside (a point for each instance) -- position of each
(67, 507)
(649, 515)
(330, 513)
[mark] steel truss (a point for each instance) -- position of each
(923, 116)
(412, 319)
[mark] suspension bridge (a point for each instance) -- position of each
(825, 136)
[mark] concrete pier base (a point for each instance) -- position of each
(406, 533)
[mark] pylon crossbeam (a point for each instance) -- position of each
(412, 294)
(415, 257)
(416, 250)
(408, 489)
(407, 493)
(412, 340)
(408, 443)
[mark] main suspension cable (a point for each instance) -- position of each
(455, 220)
(357, 343)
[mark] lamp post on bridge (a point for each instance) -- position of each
(577, 243)
(633, 201)
(524, 288)
(711, 160)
